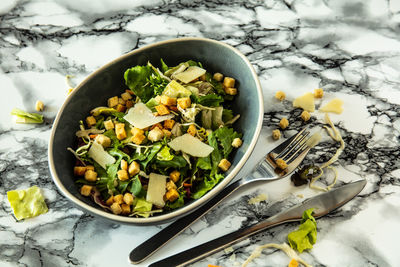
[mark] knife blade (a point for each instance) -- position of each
(323, 204)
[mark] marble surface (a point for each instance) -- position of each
(351, 49)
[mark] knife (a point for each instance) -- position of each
(323, 204)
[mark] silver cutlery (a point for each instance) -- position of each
(322, 204)
(292, 151)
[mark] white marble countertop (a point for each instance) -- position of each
(351, 50)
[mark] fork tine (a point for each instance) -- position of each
(298, 140)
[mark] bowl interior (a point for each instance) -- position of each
(108, 81)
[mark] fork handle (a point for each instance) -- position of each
(151, 245)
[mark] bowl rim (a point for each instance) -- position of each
(188, 208)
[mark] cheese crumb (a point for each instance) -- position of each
(257, 199)
(280, 95)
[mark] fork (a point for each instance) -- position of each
(292, 151)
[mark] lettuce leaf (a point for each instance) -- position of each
(26, 117)
(177, 203)
(206, 185)
(164, 154)
(142, 208)
(153, 151)
(135, 186)
(136, 79)
(306, 235)
(27, 203)
(225, 136)
(176, 162)
(164, 66)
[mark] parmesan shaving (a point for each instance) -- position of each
(335, 106)
(156, 189)
(305, 102)
(284, 247)
(335, 135)
(141, 116)
(191, 145)
(98, 154)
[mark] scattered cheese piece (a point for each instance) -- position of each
(190, 74)
(191, 145)
(141, 116)
(98, 154)
(335, 106)
(175, 90)
(156, 189)
(257, 199)
(305, 102)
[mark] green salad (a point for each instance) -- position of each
(163, 142)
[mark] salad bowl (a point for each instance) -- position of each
(109, 81)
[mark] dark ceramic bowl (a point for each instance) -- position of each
(109, 81)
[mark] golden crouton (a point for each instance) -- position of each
(138, 139)
(128, 198)
(192, 130)
(112, 101)
(237, 142)
(86, 190)
(162, 110)
(79, 170)
(170, 185)
(119, 199)
(230, 91)
(129, 104)
(90, 176)
(136, 131)
(174, 176)
(108, 125)
(169, 101)
(110, 200)
(90, 167)
(155, 135)
(184, 102)
(126, 96)
(120, 131)
(168, 124)
(124, 165)
(229, 82)
(218, 76)
(134, 168)
(116, 208)
(172, 195)
(123, 175)
(224, 165)
(120, 108)
(90, 121)
(166, 133)
(125, 209)
(103, 140)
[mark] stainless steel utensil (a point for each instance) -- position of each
(323, 204)
(292, 151)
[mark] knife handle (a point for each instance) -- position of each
(196, 253)
(151, 245)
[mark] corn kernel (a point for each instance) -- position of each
(284, 123)
(276, 134)
(280, 95)
(318, 93)
(39, 105)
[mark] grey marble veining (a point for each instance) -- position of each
(351, 49)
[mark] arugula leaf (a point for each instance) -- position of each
(157, 84)
(217, 85)
(211, 100)
(206, 185)
(215, 154)
(306, 235)
(176, 162)
(136, 79)
(164, 66)
(225, 136)
(153, 151)
(136, 186)
(114, 140)
(26, 117)
(227, 115)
